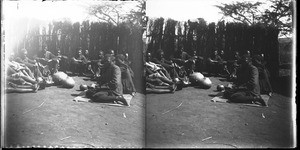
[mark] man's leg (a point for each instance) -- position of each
(21, 88)
(104, 97)
(241, 97)
(28, 79)
(244, 97)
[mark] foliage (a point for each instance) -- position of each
(278, 14)
(117, 12)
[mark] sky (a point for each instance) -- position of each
(76, 10)
(183, 10)
(20, 16)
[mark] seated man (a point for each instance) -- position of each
(182, 58)
(47, 59)
(198, 61)
(216, 64)
(63, 61)
(234, 65)
(31, 64)
(19, 67)
(168, 65)
(78, 64)
(88, 63)
(247, 90)
(97, 64)
(19, 78)
(112, 78)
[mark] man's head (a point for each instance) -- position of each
(23, 52)
(236, 54)
(108, 60)
(245, 60)
(181, 50)
(111, 52)
(194, 53)
(80, 52)
(221, 52)
(11, 56)
(215, 52)
(160, 53)
(86, 52)
(101, 53)
(58, 51)
(248, 53)
(45, 48)
(148, 57)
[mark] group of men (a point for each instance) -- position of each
(29, 75)
(250, 79)
(248, 73)
(162, 74)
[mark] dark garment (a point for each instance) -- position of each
(216, 65)
(264, 82)
(242, 97)
(251, 80)
(247, 78)
(104, 97)
(112, 77)
(127, 74)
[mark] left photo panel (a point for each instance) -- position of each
(72, 74)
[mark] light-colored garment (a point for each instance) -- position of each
(153, 66)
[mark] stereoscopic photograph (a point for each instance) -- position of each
(148, 74)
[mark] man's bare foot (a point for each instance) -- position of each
(35, 87)
(261, 102)
(123, 100)
(270, 94)
(173, 88)
(133, 93)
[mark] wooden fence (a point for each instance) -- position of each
(205, 38)
(93, 36)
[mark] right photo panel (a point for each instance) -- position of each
(220, 74)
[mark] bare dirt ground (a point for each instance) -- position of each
(188, 118)
(50, 117)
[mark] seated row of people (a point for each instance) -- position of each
(44, 64)
(181, 65)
